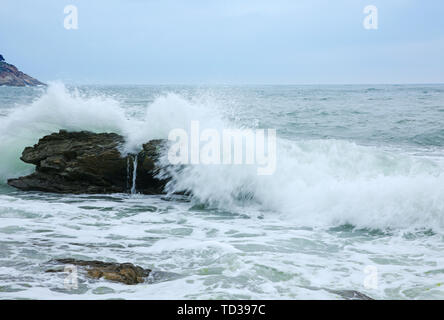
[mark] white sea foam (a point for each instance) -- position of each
(264, 237)
(316, 182)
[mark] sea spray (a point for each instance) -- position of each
(317, 182)
(326, 182)
(61, 108)
(55, 109)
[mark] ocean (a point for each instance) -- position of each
(356, 201)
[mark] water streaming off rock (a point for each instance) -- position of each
(134, 178)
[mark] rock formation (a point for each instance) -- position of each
(127, 273)
(86, 162)
(11, 76)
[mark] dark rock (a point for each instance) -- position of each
(127, 273)
(345, 294)
(11, 76)
(147, 159)
(86, 162)
(352, 295)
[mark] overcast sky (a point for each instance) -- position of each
(226, 41)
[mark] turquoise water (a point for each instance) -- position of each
(358, 186)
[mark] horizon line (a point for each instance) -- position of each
(246, 84)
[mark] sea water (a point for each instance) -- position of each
(356, 201)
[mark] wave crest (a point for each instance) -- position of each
(317, 182)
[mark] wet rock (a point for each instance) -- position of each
(147, 159)
(91, 163)
(344, 294)
(126, 273)
(351, 295)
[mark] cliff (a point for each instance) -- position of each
(11, 76)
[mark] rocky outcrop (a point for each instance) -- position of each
(127, 273)
(11, 76)
(86, 162)
(351, 294)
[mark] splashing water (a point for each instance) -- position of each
(356, 184)
(317, 182)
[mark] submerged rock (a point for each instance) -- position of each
(127, 273)
(344, 294)
(351, 295)
(86, 162)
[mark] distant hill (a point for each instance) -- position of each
(11, 76)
